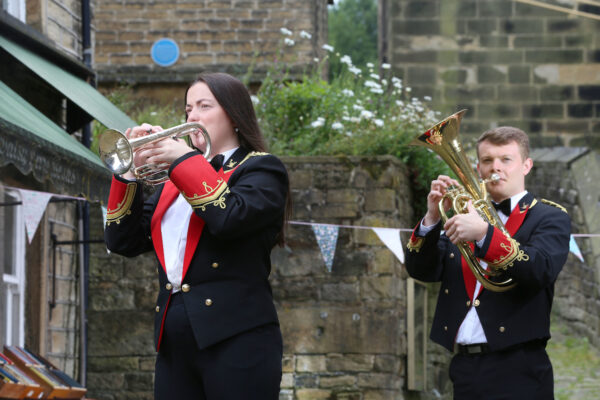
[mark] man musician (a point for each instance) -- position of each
(498, 338)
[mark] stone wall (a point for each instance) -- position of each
(508, 63)
(215, 35)
(344, 331)
(60, 21)
(570, 176)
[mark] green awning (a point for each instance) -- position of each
(14, 109)
(35, 144)
(75, 89)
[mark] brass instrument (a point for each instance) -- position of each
(442, 139)
(116, 151)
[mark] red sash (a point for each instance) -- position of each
(516, 218)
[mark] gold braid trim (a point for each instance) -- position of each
(215, 196)
(123, 208)
(416, 244)
(514, 253)
(551, 203)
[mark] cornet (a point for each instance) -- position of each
(116, 151)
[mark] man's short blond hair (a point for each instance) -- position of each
(504, 135)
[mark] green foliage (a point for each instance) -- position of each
(352, 28)
(358, 112)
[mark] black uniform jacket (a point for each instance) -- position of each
(238, 214)
(532, 258)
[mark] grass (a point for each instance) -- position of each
(576, 365)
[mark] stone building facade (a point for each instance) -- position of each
(507, 62)
(59, 21)
(212, 35)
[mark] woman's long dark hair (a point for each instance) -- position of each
(233, 97)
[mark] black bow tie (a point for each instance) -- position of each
(503, 206)
(217, 161)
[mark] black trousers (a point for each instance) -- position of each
(246, 366)
(523, 372)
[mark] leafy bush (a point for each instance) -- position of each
(361, 111)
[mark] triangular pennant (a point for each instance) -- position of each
(573, 248)
(327, 239)
(391, 238)
(34, 205)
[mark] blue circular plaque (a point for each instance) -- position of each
(165, 52)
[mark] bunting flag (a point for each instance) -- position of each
(327, 236)
(573, 248)
(34, 205)
(391, 238)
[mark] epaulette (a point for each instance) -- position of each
(551, 203)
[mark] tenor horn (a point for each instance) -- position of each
(442, 139)
(117, 151)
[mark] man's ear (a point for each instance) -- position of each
(527, 165)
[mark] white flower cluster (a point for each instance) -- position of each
(360, 111)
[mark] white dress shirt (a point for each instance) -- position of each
(470, 330)
(174, 229)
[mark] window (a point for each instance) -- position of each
(16, 8)
(13, 277)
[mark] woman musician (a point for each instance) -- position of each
(212, 226)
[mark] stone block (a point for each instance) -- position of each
(491, 74)
(543, 111)
(557, 93)
(522, 25)
(111, 298)
(387, 363)
(106, 380)
(139, 381)
(580, 110)
(496, 8)
(493, 41)
(381, 395)
(561, 25)
(554, 56)
(589, 92)
(364, 330)
(519, 74)
(337, 381)
(310, 363)
(420, 74)
(312, 394)
(421, 9)
(454, 76)
(383, 262)
(496, 111)
(376, 380)
(380, 200)
(496, 57)
(287, 380)
(340, 292)
(417, 27)
(305, 380)
(343, 196)
(380, 287)
(288, 363)
(482, 26)
(350, 362)
(535, 42)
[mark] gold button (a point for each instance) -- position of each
(169, 286)
(446, 291)
(445, 328)
(476, 302)
(451, 255)
(185, 288)
(215, 265)
(502, 329)
(468, 303)
(157, 308)
(208, 302)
